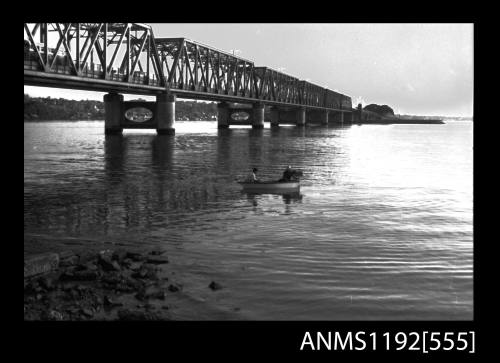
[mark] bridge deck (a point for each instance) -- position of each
(127, 58)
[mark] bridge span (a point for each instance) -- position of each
(126, 58)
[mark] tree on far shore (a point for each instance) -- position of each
(53, 109)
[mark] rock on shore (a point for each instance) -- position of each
(118, 285)
(68, 286)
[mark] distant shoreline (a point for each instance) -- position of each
(403, 122)
(37, 109)
(380, 122)
(51, 109)
(36, 121)
(96, 120)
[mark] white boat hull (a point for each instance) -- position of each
(271, 187)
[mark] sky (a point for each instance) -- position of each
(418, 69)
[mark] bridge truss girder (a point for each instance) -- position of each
(127, 57)
(193, 66)
(122, 52)
(275, 86)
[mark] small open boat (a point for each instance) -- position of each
(271, 186)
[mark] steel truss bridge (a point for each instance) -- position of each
(128, 58)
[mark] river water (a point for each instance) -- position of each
(381, 229)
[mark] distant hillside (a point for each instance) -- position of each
(44, 109)
(53, 109)
(195, 111)
(388, 112)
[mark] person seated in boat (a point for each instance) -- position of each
(288, 174)
(252, 178)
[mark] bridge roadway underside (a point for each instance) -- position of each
(232, 109)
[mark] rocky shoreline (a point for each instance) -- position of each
(109, 285)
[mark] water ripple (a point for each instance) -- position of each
(381, 229)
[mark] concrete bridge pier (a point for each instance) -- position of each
(301, 117)
(360, 113)
(338, 117)
(165, 114)
(222, 115)
(324, 118)
(275, 117)
(113, 109)
(258, 116)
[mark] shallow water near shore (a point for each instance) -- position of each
(381, 228)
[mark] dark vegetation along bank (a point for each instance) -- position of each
(382, 110)
(384, 114)
(53, 109)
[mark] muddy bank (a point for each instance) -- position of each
(112, 285)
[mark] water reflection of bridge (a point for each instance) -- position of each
(156, 181)
(170, 190)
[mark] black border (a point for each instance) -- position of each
(242, 339)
